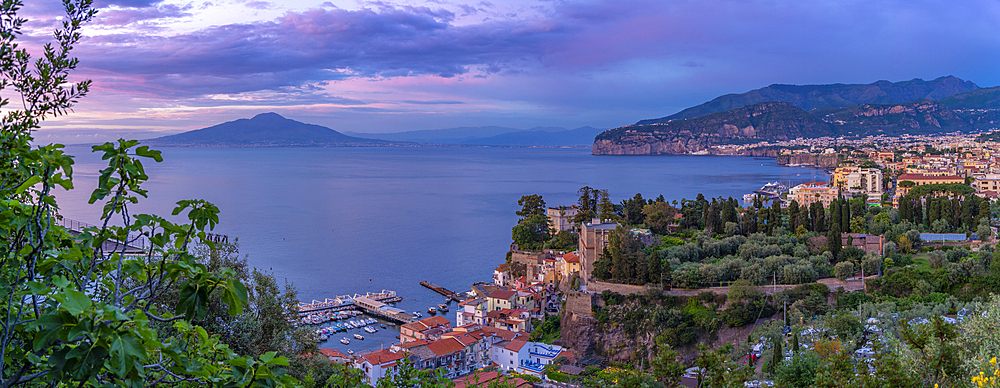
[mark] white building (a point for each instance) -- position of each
(525, 357)
(379, 364)
(561, 218)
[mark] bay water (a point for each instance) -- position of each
(336, 221)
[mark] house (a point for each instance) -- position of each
(448, 354)
(501, 299)
(516, 320)
(429, 328)
(335, 356)
(379, 364)
(471, 311)
(569, 264)
(521, 356)
(501, 275)
(865, 242)
(986, 182)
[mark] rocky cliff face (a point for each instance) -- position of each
(763, 121)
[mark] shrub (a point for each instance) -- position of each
(844, 270)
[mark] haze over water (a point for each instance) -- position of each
(339, 221)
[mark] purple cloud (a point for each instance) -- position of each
(125, 16)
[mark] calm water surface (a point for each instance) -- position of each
(344, 220)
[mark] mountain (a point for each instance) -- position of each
(263, 130)
(763, 121)
(809, 97)
(495, 136)
(971, 111)
(534, 138)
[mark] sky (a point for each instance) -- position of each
(162, 67)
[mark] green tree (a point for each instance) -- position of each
(654, 267)
(531, 233)
(531, 205)
(408, 376)
(799, 373)
(659, 216)
(833, 241)
(76, 310)
(666, 368)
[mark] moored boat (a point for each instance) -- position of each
(345, 341)
(359, 336)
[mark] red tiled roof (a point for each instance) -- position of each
(502, 294)
(333, 353)
(445, 346)
(920, 177)
(483, 379)
(571, 257)
(515, 345)
(383, 356)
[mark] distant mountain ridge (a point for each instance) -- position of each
(810, 97)
(263, 130)
(495, 136)
(974, 110)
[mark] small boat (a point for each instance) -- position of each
(383, 325)
(431, 310)
(351, 352)
(359, 336)
(416, 314)
(370, 330)
(345, 341)
(443, 307)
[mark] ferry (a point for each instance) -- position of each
(768, 191)
(345, 341)
(359, 336)
(443, 307)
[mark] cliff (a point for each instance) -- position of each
(750, 124)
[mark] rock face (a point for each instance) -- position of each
(763, 121)
(809, 97)
(579, 334)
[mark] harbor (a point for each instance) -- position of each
(372, 303)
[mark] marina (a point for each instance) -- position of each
(377, 304)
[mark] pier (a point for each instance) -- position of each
(373, 303)
(441, 290)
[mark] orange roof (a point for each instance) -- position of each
(331, 353)
(383, 356)
(515, 345)
(571, 257)
(502, 294)
(485, 378)
(445, 346)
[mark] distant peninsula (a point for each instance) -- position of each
(265, 130)
(785, 112)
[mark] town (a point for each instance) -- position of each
(779, 269)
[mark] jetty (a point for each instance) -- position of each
(373, 303)
(441, 290)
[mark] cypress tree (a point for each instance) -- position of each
(776, 357)
(654, 266)
(833, 242)
(845, 217)
(918, 211)
(967, 214)
(795, 343)
(984, 210)
(835, 209)
(821, 218)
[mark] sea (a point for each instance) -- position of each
(336, 221)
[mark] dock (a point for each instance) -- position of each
(441, 290)
(373, 303)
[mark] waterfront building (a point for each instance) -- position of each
(428, 328)
(501, 275)
(561, 218)
(525, 357)
(859, 180)
(569, 264)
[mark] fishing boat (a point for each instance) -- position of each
(345, 341)
(443, 307)
(359, 336)
(432, 310)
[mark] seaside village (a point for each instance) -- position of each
(493, 322)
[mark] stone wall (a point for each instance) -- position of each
(624, 289)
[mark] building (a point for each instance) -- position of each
(448, 354)
(525, 357)
(569, 264)
(986, 182)
(808, 193)
(593, 236)
(857, 179)
(429, 328)
(379, 364)
(501, 299)
(561, 218)
(865, 242)
(335, 356)
(921, 179)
